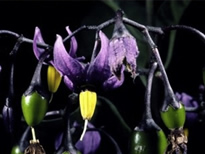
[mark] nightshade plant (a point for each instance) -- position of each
(86, 80)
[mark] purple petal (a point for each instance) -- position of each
(58, 140)
(73, 44)
(99, 69)
(65, 64)
(132, 53)
(113, 82)
(117, 55)
(188, 101)
(90, 142)
(37, 39)
(69, 83)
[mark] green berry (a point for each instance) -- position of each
(34, 107)
(174, 118)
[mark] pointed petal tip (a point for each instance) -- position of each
(37, 28)
(58, 37)
(67, 28)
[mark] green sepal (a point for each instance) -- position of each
(34, 107)
(16, 150)
(147, 142)
(174, 118)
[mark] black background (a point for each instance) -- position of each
(184, 72)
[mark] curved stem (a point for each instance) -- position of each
(91, 27)
(36, 79)
(9, 33)
(68, 144)
(13, 54)
(171, 95)
(145, 31)
(184, 27)
(24, 138)
(148, 113)
(23, 39)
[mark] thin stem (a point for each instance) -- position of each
(171, 95)
(24, 138)
(37, 77)
(148, 113)
(23, 39)
(13, 54)
(9, 33)
(91, 27)
(33, 134)
(145, 30)
(184, 27)
(133, 23)
(73, 33)
(95, 46)
(68, 144)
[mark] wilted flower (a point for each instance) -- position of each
(76, 74)
(34, 148)
(123, 50)
(189, 102)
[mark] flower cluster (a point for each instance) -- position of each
(106, 70)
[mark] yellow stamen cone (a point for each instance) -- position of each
(88, 100)
(53, 79)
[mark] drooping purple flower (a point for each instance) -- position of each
(77, 74)
(90, 142)
(189, 102)
(123, 50)
(88, 145)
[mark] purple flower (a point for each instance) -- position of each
(123, 50)
(189, 102)
(90, 142)
(88, 145)
(76, 74)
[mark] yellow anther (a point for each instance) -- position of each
(88, 100)
(53, 79)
